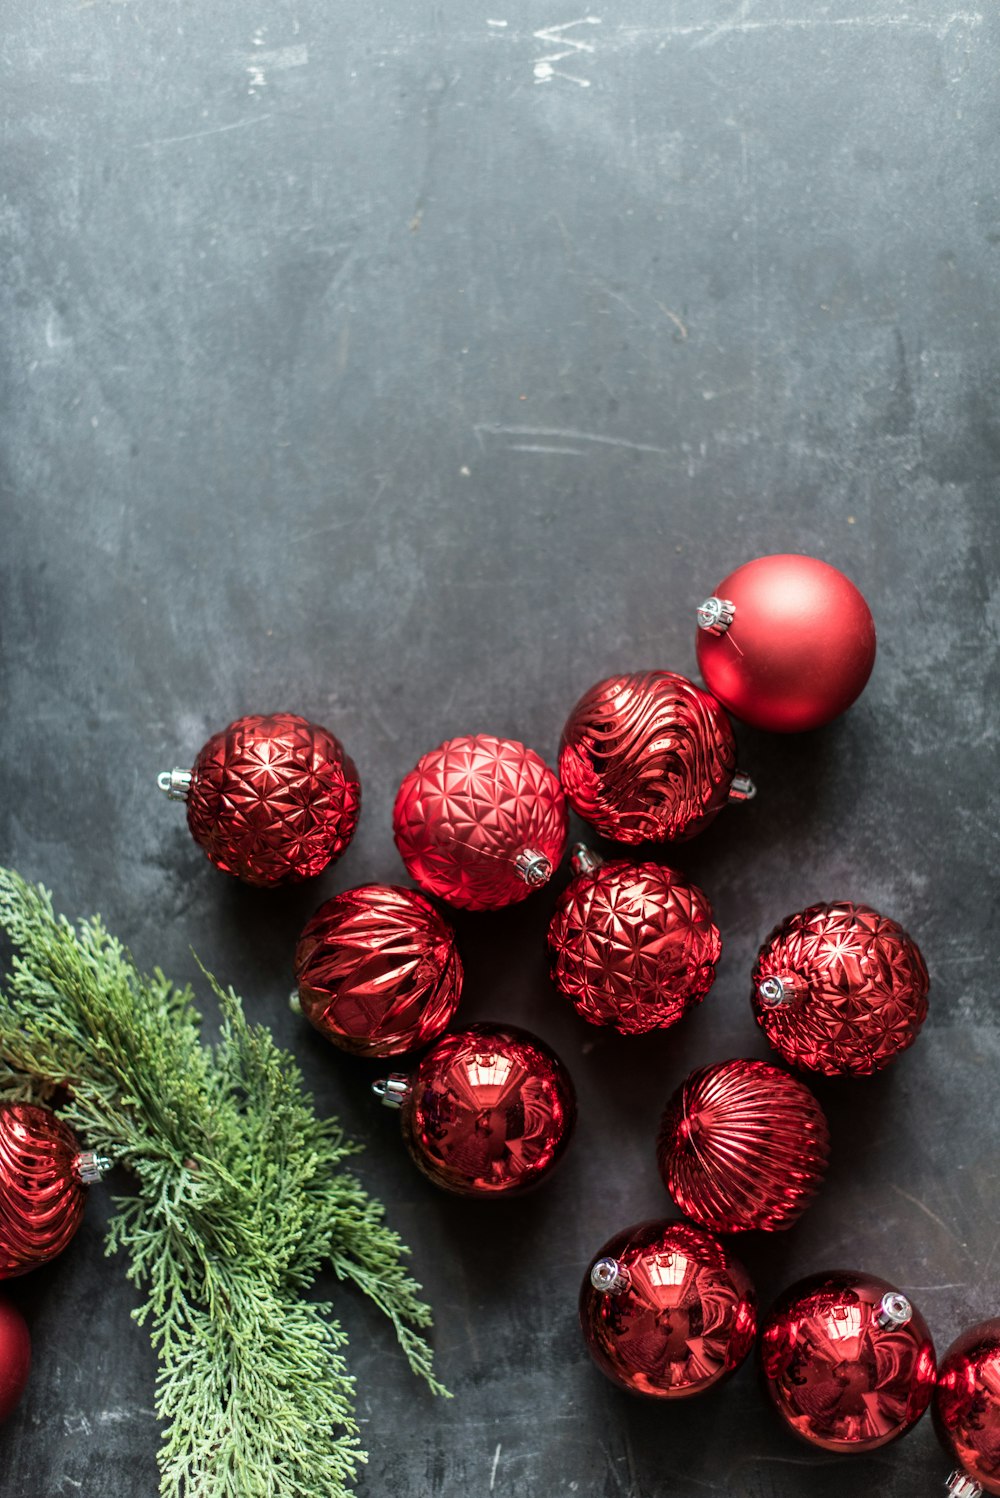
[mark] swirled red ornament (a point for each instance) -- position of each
(480, 821)
(632, 945)
(848, 1361)
(966, 1409)
(42, 1186)
(271, 799)
(15, 1357)
(743, 1145)
(840, 989)
(378, 970)
(667, 1311)
(649, 757)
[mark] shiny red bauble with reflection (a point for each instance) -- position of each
(43, 1186)
(480, 822)
(633, 946)
(848, 1361)
(743, 1145)
(786, 643)
(15, 1357)
(667, 1311)
(378, 971)
(271, 799)
(966, 1408)
(649, 757)
(489, 1110)
(840, 989)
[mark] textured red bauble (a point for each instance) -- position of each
(632, 945)
(743, 1145)
(43, 1179)
(847, 1361)
(480, 821)
(270, 799)
(15, 1357)
(840, 989)
(786, 643)
(967, 1409)
(488, 1111)
(378, 971)
(649, 757)
(667, 1311)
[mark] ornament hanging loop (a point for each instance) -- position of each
(781, 991)
(715, 615)
(393, 1090)
(89, 1167)
(584, 860)
(962, 1486)
(294, 1002)
(742, 787)
(894, 1312)
(534, 868)
(610, 1277)
(175, 784)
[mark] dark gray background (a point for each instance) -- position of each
(378, 363)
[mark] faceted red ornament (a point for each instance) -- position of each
(632, 945)
(786, 643)
(270, 799)
(480, 821)
(378, 971)
(848, 1361)
(15, 1357)
(967, 1409)
(649, 757)
(743, 1145)
(667, 1311)
(840, 989)
(488, 1110)
(43, 1178)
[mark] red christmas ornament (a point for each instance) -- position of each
(667, 1311)
(967, 1409)
(632, 945)
(378, 971)
(270, 799)
(15, 1357)
(743, 1145)
(848, 1361)
(489, 1110)
(786, 643)
(480, 821)
(43, 1179)
(840, 989)
(649, 757)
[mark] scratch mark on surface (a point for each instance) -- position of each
(539, 447)
(565, 46)
(495, 429)
(496, 1462)
(174, 140)
(682, 330)
(805, 23)
(279, 58)
(926, 1210)
(497, 23)
(713, 36)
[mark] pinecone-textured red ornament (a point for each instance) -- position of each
(43, 1179)
(480, 822)
(632, 945)
(786, 643)
(847, 1361)
(15, 1357)
(649, 757)
(378, 971)
(967, 1409)
(743, 1145)
(270, 799)
(667, 1311)
(489, 1110)
(840, 989)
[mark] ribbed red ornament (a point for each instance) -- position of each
(743, 1145)
(632, 945)
(42, 1195)
(378, 971)
(967, 1409)
(649, 757)
(480, 822)
(667, 1311)
(840, 989)
(15, 1357)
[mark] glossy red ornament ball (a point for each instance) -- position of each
(488, 1111)
(967, 1409)
(667, 1311)
(15, 1357)
(848, 1361)
(43, 1179)
(270, 799)
(378, 971)
(480, 822)
(632, 945)
(786, 643)
(840, 989)
(743, 1145)
(649, 757)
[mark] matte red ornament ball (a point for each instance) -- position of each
(966, 1409)
(488, 1111)
(378, 970)
(786, 643)
(667, 1311)
(43, 1178)
(15, 1357)
(847, 1361)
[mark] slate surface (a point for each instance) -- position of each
(412, 366)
